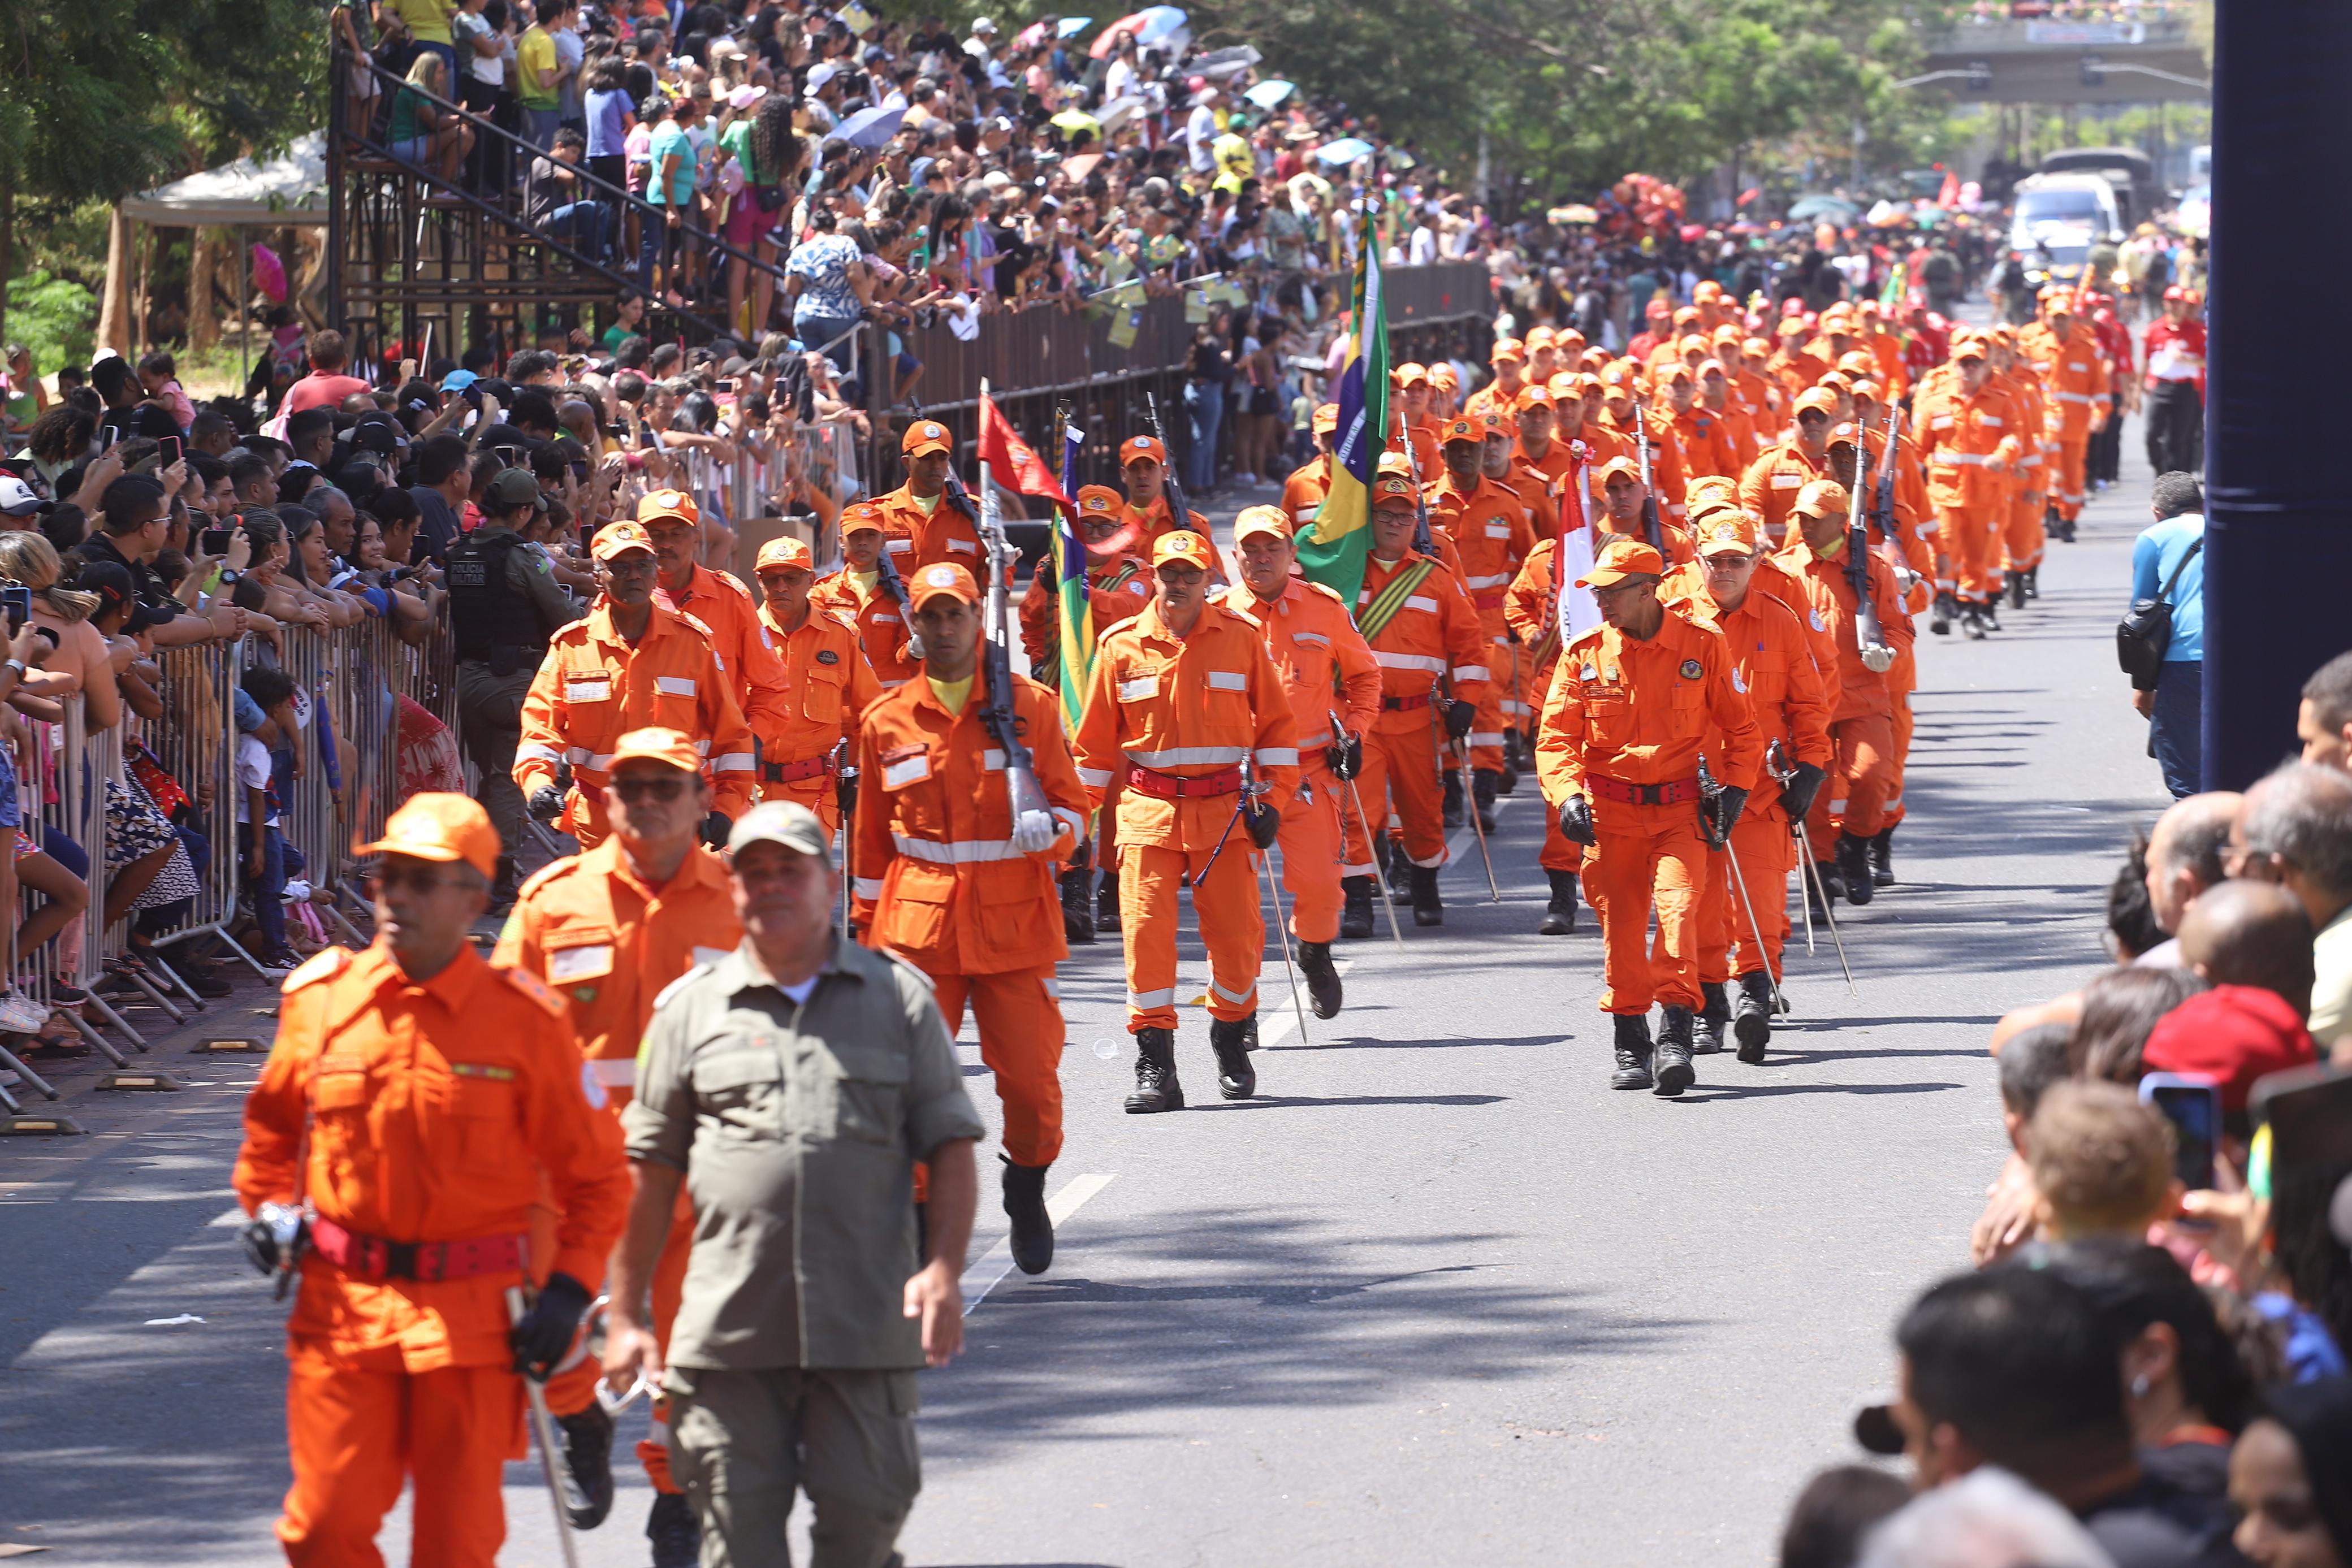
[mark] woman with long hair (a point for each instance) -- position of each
(423, 132)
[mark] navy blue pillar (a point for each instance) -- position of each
(2278, 551)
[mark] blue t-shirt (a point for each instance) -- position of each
(608, 135)
(2155, 554)
(670, 140)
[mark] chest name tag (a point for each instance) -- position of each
(595, 691)
(896, 546)
(482, 1072)
(907, 770)
(1316, 638)
(1941, 421)
(1143, 688)
(827, 656)
(675, 686)
(1228, 681)
(1991, 419)
(883, 619)
(566, 965)
(1788, 481)
(1498, 530)
(965, 546)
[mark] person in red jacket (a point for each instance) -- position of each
(2175, 386)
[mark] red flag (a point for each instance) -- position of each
(1948, 198)
(1012, 462)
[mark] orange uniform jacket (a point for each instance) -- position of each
(937, 878)
(1744, 426)
(1303, 491)
(1327, 666)
(1188, 706)
(433, 1109)
(1772, 482)
(1437, 633)
(1858, 691)
(827, 683)
(2073, 376)
(1670, 477)
(727, 608)
(1157, 518)
(1529, 609)
(1801, 596)
(1893, 375)
(1488, 527)
(1638, 712)
(915, 540)
(607, 944)
(1773, 653)
(1552, 468)
(1114, 592)
(594, 687)
(2033, 470)
(1707, 445)
(882, 631)
(1965, 438)
(1765, 400)
(1491, 399)
(1794, 371)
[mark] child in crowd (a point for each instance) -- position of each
(2102, 1163)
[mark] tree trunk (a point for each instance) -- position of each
(114, 309)
(203, 317)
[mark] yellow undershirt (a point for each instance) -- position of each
(929, 504)
(865, 582)
(952, 695)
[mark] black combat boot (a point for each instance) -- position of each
(1989, 613)
(1973, 624)
(2034, 581)
(1673, 1059)
(588, 1465)
(1024, 1204)
(1078, 908)
(1941, 615)
(1854, 863)
(503, 892)
(1156, 1088)
(1483, 783)
(1396, 863)
(1751, 1023)
(1633, 1052)
(1106, 902)
(2017, 590)
(1508, 781)
(1827, 884)
(1322, 977)
(1233, 1039)
(1559, 914)
(1452, 807)
(1355, 914)
(1428, 909)
(673, 1530)
(1713, 1014)
(1882, 858)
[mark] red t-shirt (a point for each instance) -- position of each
(315, 391)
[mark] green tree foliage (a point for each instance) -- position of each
(53, 317)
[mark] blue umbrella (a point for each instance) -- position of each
(1071, 26)
(1345, 151)
(1267, 94)
(870, 129)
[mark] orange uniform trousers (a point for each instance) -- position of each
(355, 1436)
(2066, 480)
(1861, 775)
(1402, 773)
(1971, 537)
(1501, 698)
(1224, 906)
(1310, 845)
(819, 794)
(2022, 540)
(1020, 1016)
(1648, 858)
(1767, 853)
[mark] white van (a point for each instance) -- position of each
(2057, 219)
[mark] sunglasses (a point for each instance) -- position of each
(416, 879)
(649, 789)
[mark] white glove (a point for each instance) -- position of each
(1035, 830)
(1878, 660)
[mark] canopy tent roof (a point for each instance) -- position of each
(290, 188)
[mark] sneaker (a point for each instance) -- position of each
(279, 964)
(20, 1014)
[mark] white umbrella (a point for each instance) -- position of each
(1267, 94)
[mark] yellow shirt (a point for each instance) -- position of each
(535, 53)
(427, 20)
(929, 504)
(865, 582)
(952, 695)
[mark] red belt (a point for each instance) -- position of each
(1404, 704)
(373, 1258)
(793, 772)
(1624, 794)
(1176, 787)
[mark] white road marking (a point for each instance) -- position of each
(1287, 1021)
(988, 1271)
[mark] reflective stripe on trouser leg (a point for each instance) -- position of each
(2067, 484)
(1021, 1032)
(1760, 839)
(355, 1438)
(1861, 775)
(1232, 927)
(1225, 907)
(2022, 537)
(1311, 865)
(1149, 877)
(1710, 930)
(1487, 737)
(1648, 858)
(1410, 760)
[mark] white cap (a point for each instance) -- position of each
(820, 74)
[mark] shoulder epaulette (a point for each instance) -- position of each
(694, 621)
(544, 874)
(1243, 616)
(324, 965)
(1329, 593)
(532, 985)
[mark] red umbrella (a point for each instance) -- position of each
(1131, 23)
(1693, 233)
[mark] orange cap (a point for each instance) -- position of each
(1569, 384)
(1510, 349)
(1686, 315)
(1388, 486)
(1183, 545)
(1540, 338)
(1711, 367)
(1460, 429)
(1843, 433)
(1260, 520)
(859, 516)
(668, 504)
(654, 744)
(1494, 423)
(1821, 499)
(1729, 332)
(1857, 362)
(1622, 557)
(1720, 488)
(1327, 417)
(1969, 349)
(1820, 399)
(1677, 372)
(1864, 387)
(942, 577)
(1625, 465)
(619, 539)
(1709, 289)
(1617, 374)
(440, 826)
(1836, 381)
(2062, 299)
(1532, 396)
(925, 435)
(785, 550)
(1790, 327)
(1756, 347)
(1658, 306)
(1405, 374)
(1099, 501)
(1726, 531)
(1136, 447)
(1569, 340)
(1442, 375)
(1397, 462)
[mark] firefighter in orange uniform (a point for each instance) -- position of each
(1544, 358)
(1427, 637)
(1792, 365)
(857, 594)
(1328, 670)
(715, 600)
(1632, 703)
(949, 879)
(1772, 405)
(1969, 435)
(414, 1103)
(1772, 483)
(1911, 551)
(1886, 348)
(1772, 653)
(1143, 468)
(607, 930)
(1539, 457)
(1620, 482)
(2023, 532)
(1414, 423)
(1532, 608)
(2065, 354)
(1851, 810)
(1500, 396)
(1306, 484)
(1620, 407)
(1488, 522)
(1718, 396)
(628, 663)
(826, 678)
(1186, 695)
(1703, 435)
(921, 524)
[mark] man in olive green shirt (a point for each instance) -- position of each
(791, 1086)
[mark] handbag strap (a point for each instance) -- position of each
(2182, 565)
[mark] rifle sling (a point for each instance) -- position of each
(1374, 618)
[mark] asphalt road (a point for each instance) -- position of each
(1437, 1294)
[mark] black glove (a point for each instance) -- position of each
(1796, 794)
(1346, 757)
(845, 793)
(544, 1334)
(1459, 717)
(715, 829)
(547, 802)
(1262, 823)
(1576, 822)
(1724, 810)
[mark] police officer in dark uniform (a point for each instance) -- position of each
(504, 605)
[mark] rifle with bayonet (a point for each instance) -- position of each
(1653, 530)
(1870, 638)
(1027, 796)
(1179, 515)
